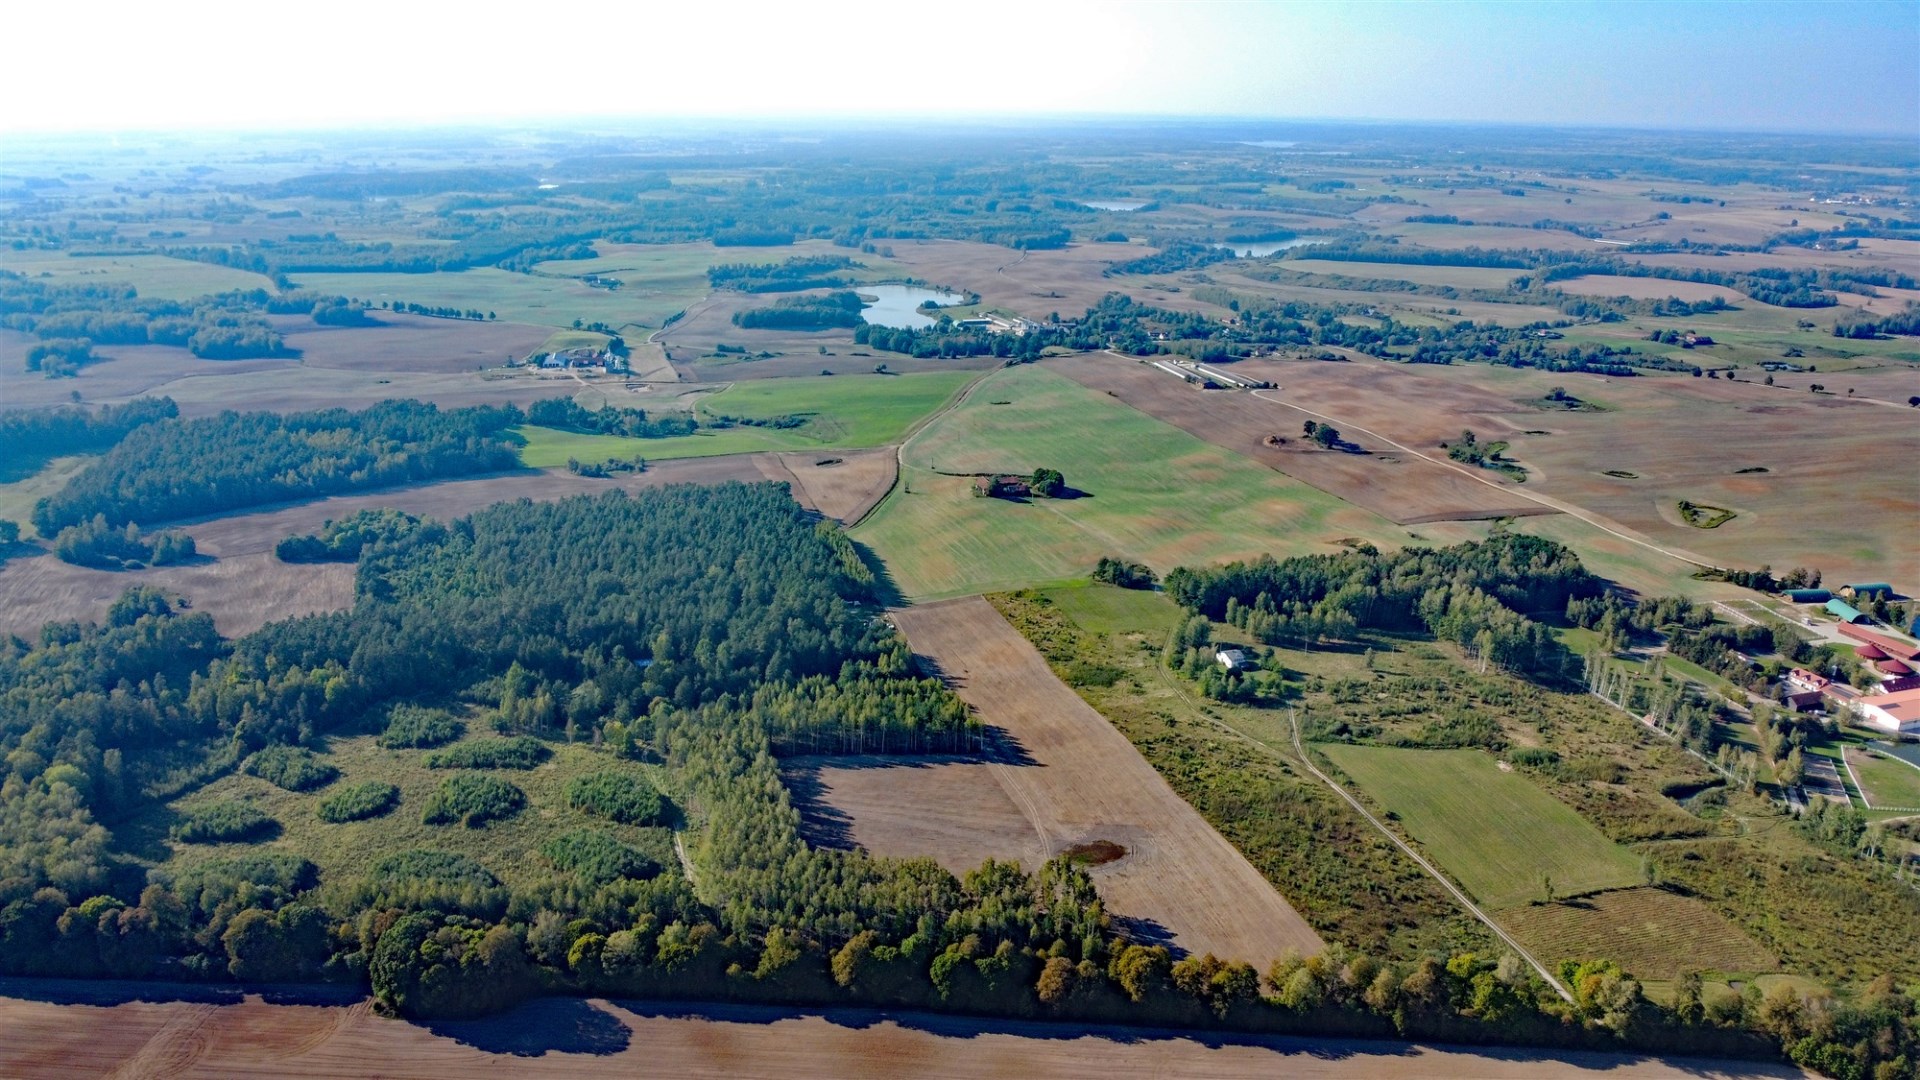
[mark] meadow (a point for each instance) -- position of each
(523, 298)
(1144, 490)
(1492, 830)
(159, 277)
(1886, 782)
(844, 412)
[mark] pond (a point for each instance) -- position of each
(1260, 249)
(895, 305)
(1118, 207)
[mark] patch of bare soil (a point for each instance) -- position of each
(1077, 781)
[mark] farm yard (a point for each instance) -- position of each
(1497, 834)
(1079, 782)
(1167, 499)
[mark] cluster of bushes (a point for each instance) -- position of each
(290, 767)
(1127, 575)
(608, 468)
(368, 799)
(565, 414)
(344, 540)
(223, 822)
(473, 800)
(413, 727)
(617, 796)
(518, 752)
(105, 547)
(596, 857)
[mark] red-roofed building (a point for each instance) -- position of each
(1898, 683)
(1802, 679)
(1869, 652)
(1899, 650)
(1897, 712)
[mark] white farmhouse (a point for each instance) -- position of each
(1897, 713)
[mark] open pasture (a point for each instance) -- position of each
(1492, 830)
(1647, 288)
(415, 344)
(101, 1029)
(159, 277)
(1077, 780)
(522, 298)
(1149, 491)
(1391, 483)
(1651, 933)
(842, 412)
(1459, 277)
(1887, 782)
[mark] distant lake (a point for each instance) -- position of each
(1260, 249)
(1117, 207)
(897, 304)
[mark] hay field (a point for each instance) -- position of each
(521, 298)
(1395, 485)
(1077, 780)
(1460, 277)
(842, 412)
(1647, 288)
(1491, 829)
(410, 343)
(159, 277)
(1651, 933)
(82, 1030)
(1153, 493)
(242, 585)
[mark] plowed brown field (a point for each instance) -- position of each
(165, 1040)
(1075, 780)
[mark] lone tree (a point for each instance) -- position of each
(1326, 435)
(1047, 483)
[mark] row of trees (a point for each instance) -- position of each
(565, 414)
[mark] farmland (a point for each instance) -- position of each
(842, 412)
(1078, 781)
(76, 1030)
(1656, 934)
(1495, 832)
(1168, 498)
(1887, 782)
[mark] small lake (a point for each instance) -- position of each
(1118, 207)
(897, 305)
(1260, 249)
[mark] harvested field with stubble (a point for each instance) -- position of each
(242, 585)
(69, 1030)
(1399, 487)
(1077, 780)
(1652, 933)
(1647, 288)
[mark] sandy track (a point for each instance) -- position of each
(164, 1040)
(1076, 779)
(243, 586)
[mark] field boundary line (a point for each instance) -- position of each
(958, 399)
(1293, 721)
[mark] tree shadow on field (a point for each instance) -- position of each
(1143, 931)
(543, 1026)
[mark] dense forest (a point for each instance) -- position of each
(835, 309)
(31, 437)
(178, 468)
(566, 414)
(229, 326)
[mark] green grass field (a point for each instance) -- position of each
(18, 497)
(1152, 493)
(508, 848)
(1889, 782)
(160, 277)
(1650, 933)
(1108, 609)
(522, 298)
(845, 412)
(1495, 832)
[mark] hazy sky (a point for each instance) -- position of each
(1778, 66)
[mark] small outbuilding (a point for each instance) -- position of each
(1231, 659)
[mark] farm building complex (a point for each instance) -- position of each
(1898, 712)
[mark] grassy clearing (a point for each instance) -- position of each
(1652, 933)
(17, 498)
(523, 298)
(159, 277)
(845, 412)
(350, 849)
(1462, 277)
(1495, 832)
(1886, 782)
(1152, 493)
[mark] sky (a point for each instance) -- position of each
(196, 64)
